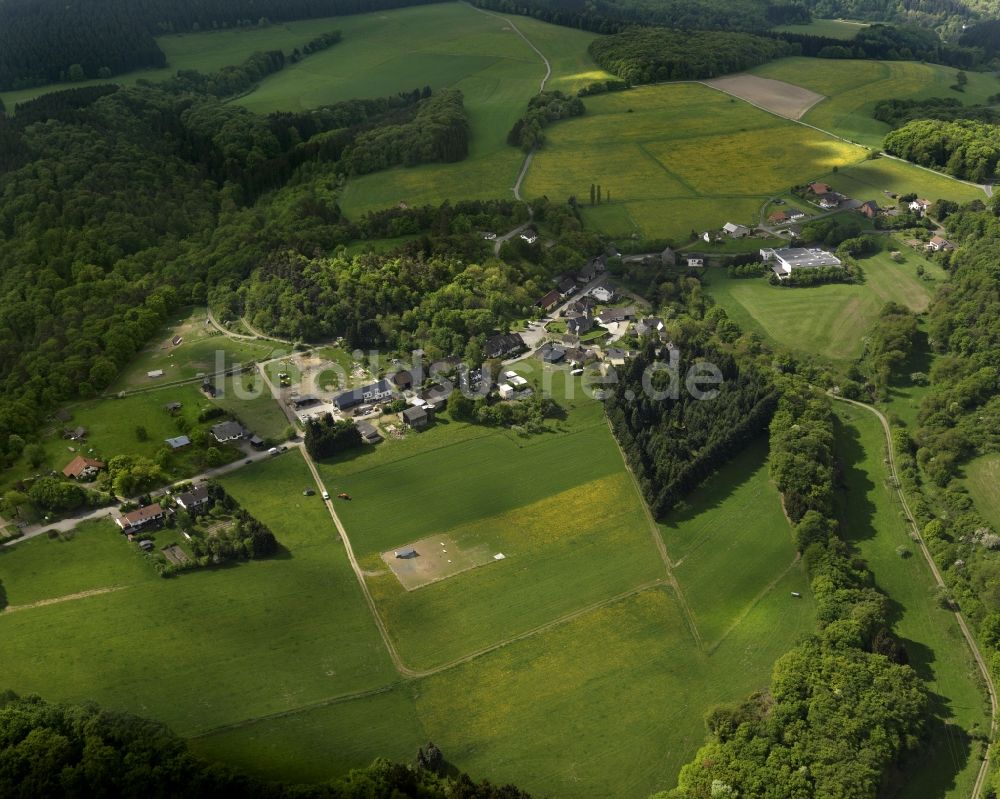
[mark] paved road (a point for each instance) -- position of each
(959, 618)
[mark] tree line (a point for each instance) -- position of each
(68, 750)
(44, 41)
(897, 113)
(543, 109)
(843, 710)
(648, 55)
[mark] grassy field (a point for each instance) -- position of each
(678, 157)
(853, 87)
(447, 45)
(845, 29)
(982, 476)
(297, 618)
(872, 520)
(830, 320)
(869, 180)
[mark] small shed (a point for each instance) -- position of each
(406, 554)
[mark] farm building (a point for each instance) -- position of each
(373, 392)
(435, 397)
(369, 433)
(228, 431)
(140, 518)
(820, 188)
(502, 344)
(406, 554)
(81, 468)
(304, 401)
(177, 442)
(195, 498)
(155, 373)
(256, 442)
(415, 417)
(787, 259)
(735, 231)
(938, 244)
(403, 380)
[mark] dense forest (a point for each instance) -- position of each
(948, 109)
(673, 443)
(42, 41)
(63, 750)
(843, 709)
(648, 55)
(543, 109)
(964, 148)
(612, 16)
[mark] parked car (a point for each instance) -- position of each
(326, 495)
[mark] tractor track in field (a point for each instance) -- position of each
(959, 618)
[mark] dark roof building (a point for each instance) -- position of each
(177, 442)
(228, 431)
(403, 379)
(194, 498)
(369, 433)
(503, 344)
(415, 417)
(304, 401)
(549, 301)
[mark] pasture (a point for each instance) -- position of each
(829, 320)
(872, 521)
(445, 45)
(869, 180)
(853, 87)
(677, 158)
(297, 618)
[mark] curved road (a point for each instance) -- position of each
(969, 639)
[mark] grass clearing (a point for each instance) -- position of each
(829, 320)
(872, 520)
(845, 29)
(853, 88)
(678, 157)
(869, 180)
(982, 476)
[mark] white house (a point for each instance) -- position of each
(602, 294)
(505, 390)
(695, 263)
(919, 207)
(787, 259)
(529, 236)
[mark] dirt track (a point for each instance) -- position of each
(776, 96)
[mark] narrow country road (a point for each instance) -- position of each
(966, 633)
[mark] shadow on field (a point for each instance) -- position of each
(854, 510)
(930, 773)
(3, 596)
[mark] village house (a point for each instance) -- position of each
(552, 353)
(820, 188)
(228, 431)
(135, 520)
(580, 325)
(919, 207)
(435, 397)
(939, 244)
(530, 236)
(650, 326)
(735, 231)
(506, 391)
(779, 217)
(403, 380)
(502, 345)
(566, 287)
(695, 263)
(829, 200)
(549, 301)
(193, 499)
(784, 261)
(373, 392)
(869, 208)
(81, 468)
(610, 315)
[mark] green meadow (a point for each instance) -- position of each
(446, 45)
(982, 476)
(206, 648)
(852, 89)
(870, 180)
(873, 522)
(676, 158)
(829, 320)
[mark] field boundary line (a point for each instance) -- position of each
(333, 700)
(918, 538)
(661, 547)
(881, 153)
(41, 603)
(753, 603)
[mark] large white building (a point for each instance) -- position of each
(787, 259)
